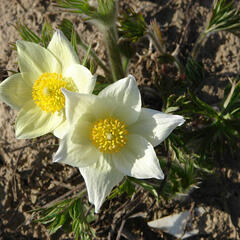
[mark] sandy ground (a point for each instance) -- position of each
(29, 179)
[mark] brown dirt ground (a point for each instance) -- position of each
(29, 179)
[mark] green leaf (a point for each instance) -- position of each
(132, 25)
(104, 13)
(224, 17)
(147, 186)
(194, 73)
(203, 107)
(231, 101)
(47, 33)
(68, 214)
(57, 223)
(27, 34)
(125, 187)
(84, 62)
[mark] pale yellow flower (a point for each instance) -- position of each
(36, 91)
(112, 136)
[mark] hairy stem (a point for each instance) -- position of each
(110, 37)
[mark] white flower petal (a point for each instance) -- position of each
(32, 122)
(14, 92)
(34, 60)
(126, 94)
(76, 105)
(63, 50)
(76, 149)
(61, 130)
(138, 159)
(100, 179)
(155, 126)
(124, 91)
(82, 77)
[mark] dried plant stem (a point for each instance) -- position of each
(159, 48)
(110, 37)
(156, 43)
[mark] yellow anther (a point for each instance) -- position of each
(109, 135)
(46, 91)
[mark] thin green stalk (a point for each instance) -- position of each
(96, 58)
(198, 44)
(110, 37)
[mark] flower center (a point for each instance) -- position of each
(109, 135)
(46, 91)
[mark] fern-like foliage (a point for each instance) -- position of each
(132, 25)
(71, 215)
(224, 17)
(28, 35)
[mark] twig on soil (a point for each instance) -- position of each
(30, 144)
(79, 187)
(58, 183)
(88, 210)
(128, 235)
(13, 180)
(21, 5)
(124, 212)
(166, 5)
(120, 229)
(188, 219)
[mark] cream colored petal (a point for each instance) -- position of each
(77, 105)
(61, 130)
(127, 96)
(76, 149)
(14, 91)
(80, 133)
(32, 122)
(138, 159)
(63, 50)
(124, 91)
(82, 77)
(100, 179)
(155, 126)
(124, 113)
(34, 60)
(91, 107)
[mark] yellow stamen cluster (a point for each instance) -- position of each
(109, 135)
(46, 92)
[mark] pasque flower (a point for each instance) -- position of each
(36, 91)
(112, 136)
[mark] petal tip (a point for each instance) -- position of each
(58, 33)
(181, 120)
(19, 44)
(131, 77)
(19, 135)
(97, 210)
(160, 176)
